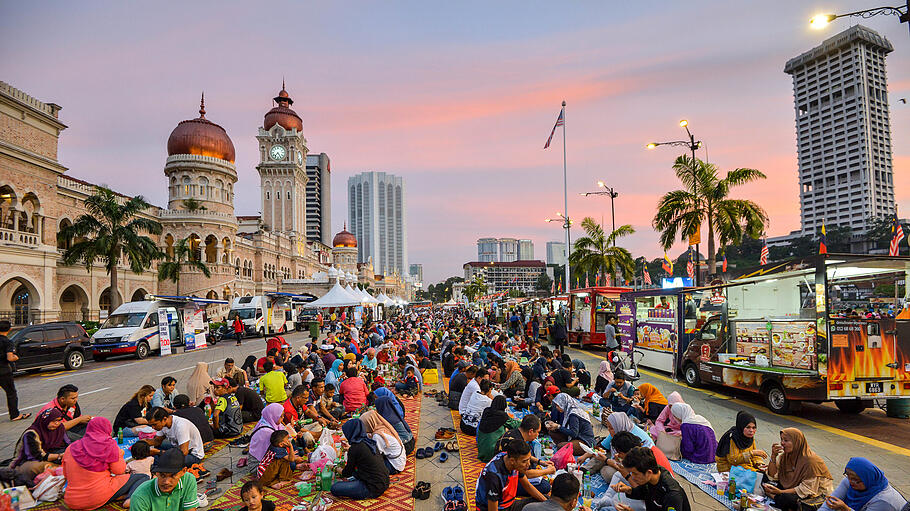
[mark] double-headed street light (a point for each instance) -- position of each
(693, 146)
(566, 224)
(902, 12)
(612, 193)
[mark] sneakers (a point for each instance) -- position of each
(445, 434)
(243, 441)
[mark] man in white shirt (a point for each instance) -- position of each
(470, 389)
(179, 432)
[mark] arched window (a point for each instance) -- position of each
(20, 305)
(187, 184)
(204, 190)
(211, 249)
(65, 243)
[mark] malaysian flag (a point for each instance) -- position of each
(690, 265)
(560, 121)
(897, 234)
(647, 276)
(764, 252)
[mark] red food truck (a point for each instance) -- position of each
(589, 308)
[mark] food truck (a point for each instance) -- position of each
(827, 327)
(545, 309)
(589, 308)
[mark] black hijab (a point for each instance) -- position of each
(736, 435)
(494, 416)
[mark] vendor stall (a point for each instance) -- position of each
(589, 309)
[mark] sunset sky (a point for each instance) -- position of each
(456, 97)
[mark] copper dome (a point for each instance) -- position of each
(202, 137)
(344, 238)
(282, 114)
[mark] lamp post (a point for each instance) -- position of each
(693, 146)
(902, 12)
(612, 193)
(566, 224)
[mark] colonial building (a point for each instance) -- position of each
(246, 255)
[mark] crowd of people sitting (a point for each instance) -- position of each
(356, 382)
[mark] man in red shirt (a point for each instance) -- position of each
(295, 408)
(354, 390)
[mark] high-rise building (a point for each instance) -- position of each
(843, 130)
(508, 250)
(525, 250)
(488, 250)
(319, 198)
(377, 216)
(505, 276)
(556, 252)
(416, 271)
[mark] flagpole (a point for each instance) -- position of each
(565, 194)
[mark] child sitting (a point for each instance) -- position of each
(409, 386)
(279, 462)
(328, 407)
(251, 494)
(142, 460)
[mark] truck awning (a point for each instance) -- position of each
(189, 299)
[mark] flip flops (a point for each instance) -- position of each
(452, 447)
(438, 446)
(443, 457)
(22, 416)
(421, 491)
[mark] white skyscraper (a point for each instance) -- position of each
(525, 250)
(318, 198)
(377, 216)
(556, 252)
(843, 130)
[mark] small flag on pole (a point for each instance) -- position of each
(763, 260)
(560, 121)
(823, 241)
(647, 276)
(667, 264)
(552, 287)
(723, 265)
(560, 287)
(690, 265)
(897, 234)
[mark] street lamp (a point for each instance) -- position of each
(612, 193)
(566, 224)
(693, 146)
(821, 21)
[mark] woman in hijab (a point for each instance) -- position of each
(94, 469)
(801, 475)
(513, 380)
(736, 447)
(864, 488)
(581, 372)
(365, 474)
(392, 411)
(200, 384)
(604, 377)
(699, 442)
(666, 422)
(570, 423)
(260, 438)
(387, 440)
(494, 421)
(333, 376)
(41, 444)
(652, 402)
(369, 361)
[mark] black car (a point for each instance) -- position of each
(62, 342)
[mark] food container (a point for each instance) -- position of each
(304, 489)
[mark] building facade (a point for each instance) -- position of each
(488, 250)
(377, 215)
(556, 253)
(843, 131)
(525, 250)
(319, 198)
(246, 255)
(504, 250)
(416, 273)
(506, 276)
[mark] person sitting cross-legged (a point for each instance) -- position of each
(498, 484)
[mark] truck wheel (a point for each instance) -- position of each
(690, 374)
(142, 350)
(775, 399)
(851, 405)
(74, 360)
(262, 332)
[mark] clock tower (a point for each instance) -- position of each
(282, 168)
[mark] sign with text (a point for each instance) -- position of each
(164, 332)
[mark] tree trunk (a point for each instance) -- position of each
(712, 257)
(115, 296)
(177, 282)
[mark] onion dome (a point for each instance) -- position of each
(201, 137)
(282, 114)
(333, 272)
(344, 238)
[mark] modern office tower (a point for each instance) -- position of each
(488, 250)
(319, 198)
(525, 250)
(843, 131)
(416, 271)
(556, 252)
(508, 250)
(377, 216)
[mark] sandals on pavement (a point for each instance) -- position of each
(22, 416)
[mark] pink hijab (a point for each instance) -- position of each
(97, 449)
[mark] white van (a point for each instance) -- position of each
(262, 315)
(133, 328)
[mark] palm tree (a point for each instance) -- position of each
(704, 199)
(596, 252)
(110, 231)
(475, 288)
(185, 255)
(193, 205)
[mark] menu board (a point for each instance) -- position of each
(625, 323)
(752, 338)
(656, 335)
(793, 344)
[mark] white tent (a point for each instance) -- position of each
(385, 300)
(368, 298)
(336, 297)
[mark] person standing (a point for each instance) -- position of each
(238, 329)
(7, 356)
(612, 338)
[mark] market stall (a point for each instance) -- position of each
(589, 309)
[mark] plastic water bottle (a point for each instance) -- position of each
(14, 499)
(120, 435)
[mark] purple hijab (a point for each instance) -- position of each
(262, 433)
(97, 449)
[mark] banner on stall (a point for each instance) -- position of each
(164, 332)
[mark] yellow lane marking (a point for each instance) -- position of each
(846, 434)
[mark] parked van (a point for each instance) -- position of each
(133, 328)
(262, 315)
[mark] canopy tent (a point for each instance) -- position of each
(385, 300)
(336, 297)
(368, 298)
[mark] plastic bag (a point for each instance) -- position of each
(563, 456)
(745, 479)
(49, 489)
(322, 455)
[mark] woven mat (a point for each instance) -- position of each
(699, 475)
(397, 497)
(471, 466)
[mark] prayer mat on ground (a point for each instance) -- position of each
(700, 475)
(397, 497)
(471, 467)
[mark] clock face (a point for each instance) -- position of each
(299, 159)
(277, 152)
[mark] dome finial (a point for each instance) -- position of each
(282, 83)
(202, 106)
